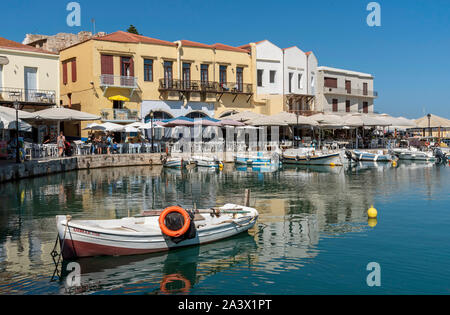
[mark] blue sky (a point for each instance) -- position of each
(408, 54)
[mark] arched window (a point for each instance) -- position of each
(194, 115)
(158, 115)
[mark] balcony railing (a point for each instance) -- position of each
(27, 95)
(204, 86)
(119, 115)
(351, 92)
(109, 80)
(303, 112)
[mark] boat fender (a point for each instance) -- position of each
(297, 158)
(173, 221)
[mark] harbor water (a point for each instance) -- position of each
(313, 235)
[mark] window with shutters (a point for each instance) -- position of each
(74, 70)
(330, 82)
(335, 105)
(64, 66)
(148, 70)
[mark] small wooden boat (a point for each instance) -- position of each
(309, 156)
(358, 156)
(203, 161)
(150, 232)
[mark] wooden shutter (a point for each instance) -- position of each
(64, 65)
(347, 106)
(348, 86)
(331, 82)
(365, 89)
(131, 67)
(107, 64)
(74, 70)
(335, 105)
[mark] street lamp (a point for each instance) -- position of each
(16, 106)
(430, 133)
(151, 119)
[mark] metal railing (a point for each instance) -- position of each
(203, 86)
(118, 81)
(351, 92)
(119, 115)
(27, 95)
(304, 112)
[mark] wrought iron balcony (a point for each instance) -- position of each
(204, 86)
(109, 80)
(119, 115)
(350, 92)
(28, 96)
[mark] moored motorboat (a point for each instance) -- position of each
(177, 162)
(309, 156)
(203, 161)
(152, 231)
(380, 156)
(414, 155)
(258, 159)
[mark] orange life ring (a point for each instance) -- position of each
(174, 277)
(167, 231)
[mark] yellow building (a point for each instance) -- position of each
(172, 79)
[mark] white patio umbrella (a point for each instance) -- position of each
(292, 119)
(105, 127)
(64, 114)
(130, 129)
(21, 113)
(156, 124)
(9, 122)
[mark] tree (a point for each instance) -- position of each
(133, 30)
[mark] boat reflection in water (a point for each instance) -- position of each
(173, 272)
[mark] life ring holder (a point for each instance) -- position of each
(174, 277)
(166, 230)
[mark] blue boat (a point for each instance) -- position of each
(358, 156)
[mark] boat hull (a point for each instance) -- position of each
(327, 159)
(370, 157)
(77, 240)
(414, 156)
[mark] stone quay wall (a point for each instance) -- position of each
(9, 172)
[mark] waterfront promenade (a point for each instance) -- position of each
(12, 171)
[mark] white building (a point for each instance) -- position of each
(300, 70)
(28, 75)
(343, 91)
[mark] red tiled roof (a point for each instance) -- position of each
(125, 37)
(230, 48)
(9, 44)
(189, 43)
(308, 53)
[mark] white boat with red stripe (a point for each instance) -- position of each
(144, 234)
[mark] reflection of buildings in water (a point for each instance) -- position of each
(155, 272)
(285, 245)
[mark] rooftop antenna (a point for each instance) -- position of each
(93, 23)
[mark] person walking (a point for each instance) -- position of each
(61, 141)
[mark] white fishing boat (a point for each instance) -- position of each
(379, 156)
(177, 162)
(152, 231)
(203, 161)
(310, 156)
(413, 154)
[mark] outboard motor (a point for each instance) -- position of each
(349, 155)
(440, 156)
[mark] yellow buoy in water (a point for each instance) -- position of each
(372, 222)
(394, 163)
(372, 212)
(332, 165)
